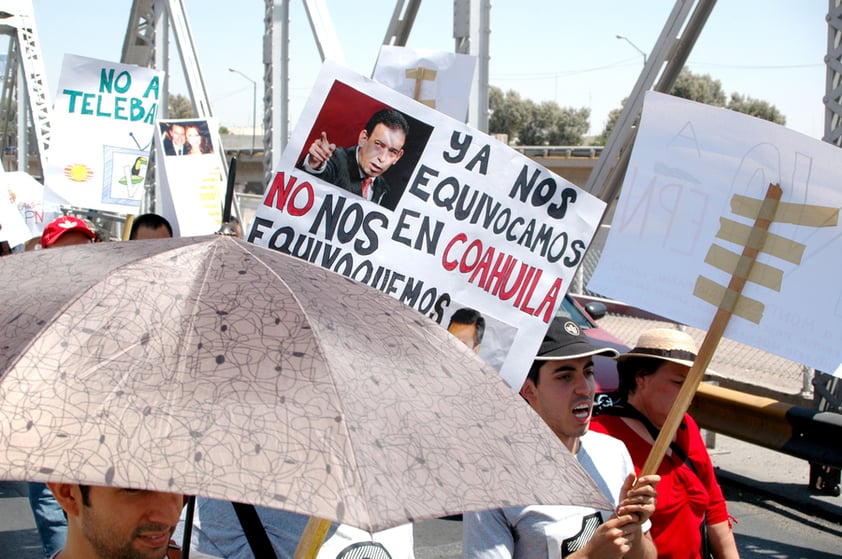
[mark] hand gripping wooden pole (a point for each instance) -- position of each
(720, 320)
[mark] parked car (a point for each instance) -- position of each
(586, 314)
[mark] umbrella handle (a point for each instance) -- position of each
(188, 527)
(229, 191)
(312, 538)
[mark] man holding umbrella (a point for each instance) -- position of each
(560, 386)
(66, 230)
(110, 522)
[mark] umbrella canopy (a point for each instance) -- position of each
(210, 366)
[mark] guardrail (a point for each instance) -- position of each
(794, 430)
(591, 152)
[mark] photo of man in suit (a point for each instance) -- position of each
(174, 139)
(358, 168)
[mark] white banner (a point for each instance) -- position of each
(28, 195)
(465, 221)
(440, 80)
(190, 175)
(102, 124)
(695, 186)
(14, 228)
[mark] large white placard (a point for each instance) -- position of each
(467, 220)
(102, 125)
(695, 184)
(440, 80)
(190, 175)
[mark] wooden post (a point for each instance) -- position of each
(419, 75)
(127, 226)
(312, 538)
(714, 333)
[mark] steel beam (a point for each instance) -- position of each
(793, 430)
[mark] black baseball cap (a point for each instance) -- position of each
(565, 340)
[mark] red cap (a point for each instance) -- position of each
(62, 225)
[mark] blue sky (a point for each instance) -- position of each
(555, 50)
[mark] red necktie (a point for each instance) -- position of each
(366, 184)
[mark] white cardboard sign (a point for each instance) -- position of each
(102, 125)
(190, 175)
(695, 184)
(467, 221)
(440, 80)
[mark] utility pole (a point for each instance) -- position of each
(253, 105)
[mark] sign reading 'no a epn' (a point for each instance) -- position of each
(695, 184)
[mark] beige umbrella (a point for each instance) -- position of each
(209, 366)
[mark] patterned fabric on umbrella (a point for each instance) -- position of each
(209, 366)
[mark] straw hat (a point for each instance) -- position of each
(664, 343)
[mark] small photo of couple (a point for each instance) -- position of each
(186, 138)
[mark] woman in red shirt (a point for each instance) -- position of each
(651, 376)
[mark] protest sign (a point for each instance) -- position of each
(13, 227)
(102, 125)
(440, 80)
(696, 182)
(28, 195)
(463, 221)
(190, 175)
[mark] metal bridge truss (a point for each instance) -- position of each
(17, 20)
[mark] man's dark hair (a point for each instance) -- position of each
(467, 315)
(150, 221)
(629, 369)
(85, 490)
(534, 371)
(390, 118)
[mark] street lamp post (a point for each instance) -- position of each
(253, 106)
(634, 46)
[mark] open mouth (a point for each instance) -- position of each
(582, 412)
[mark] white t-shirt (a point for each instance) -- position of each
(541, 531)
(217, 533)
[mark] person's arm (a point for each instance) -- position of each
(318, 154)
(643, 548)
(722, 542)
(639, 497)
(618, 538)
(487, 535)
(720, 536)
(623, 535)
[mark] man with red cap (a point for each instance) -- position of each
(65, 231)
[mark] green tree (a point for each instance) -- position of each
(567, 126)
(705, 89)
(179, 106)
(529, 123)
(508, 113)
(756, 107)
(699, 88)
(613, 117)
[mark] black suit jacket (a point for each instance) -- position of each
(342, 170)
(169, 148)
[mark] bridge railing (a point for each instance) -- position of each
(794, 430)
(591, 152)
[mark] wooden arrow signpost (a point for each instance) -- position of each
(752, 248)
